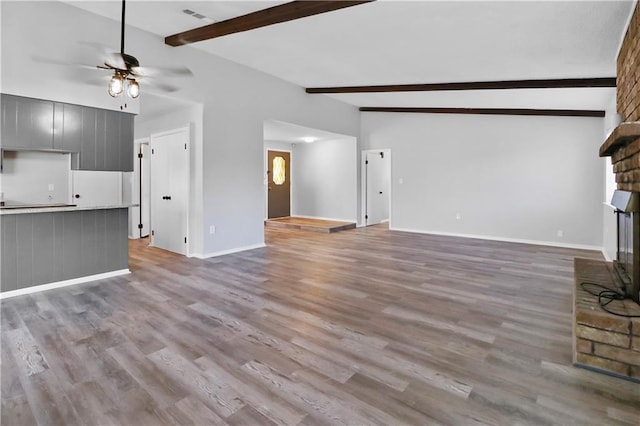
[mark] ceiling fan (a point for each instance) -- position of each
(127, 70)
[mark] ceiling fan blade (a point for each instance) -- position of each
(51, 61)
(161, 71)
(162, 86)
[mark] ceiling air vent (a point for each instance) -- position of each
(197, 15)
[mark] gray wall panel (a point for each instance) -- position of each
(9, 266)
(72, 245)
(89, 243)
(43, 248)
(24, 250)
(58, 246)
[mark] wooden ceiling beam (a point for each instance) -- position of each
(261, 18)
(491, 111)
(559, 83)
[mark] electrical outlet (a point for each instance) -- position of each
(212, 229)
(458, 216)
(51, 187)
(560, 233)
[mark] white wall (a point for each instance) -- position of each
(182, 116)
(236, 101)
(26, 176)
(509, 177)
(324, 179)
(609, 223)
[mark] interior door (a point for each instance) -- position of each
(378, 178)
(169, 190)
(145, 182)
(279, 184)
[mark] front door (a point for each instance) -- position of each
(279, 184)
(170, 190)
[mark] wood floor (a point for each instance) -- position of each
(309, 224)
(364, 326)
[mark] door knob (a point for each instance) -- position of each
(380, 192)
(77, 195)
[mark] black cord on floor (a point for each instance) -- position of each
(605, 296)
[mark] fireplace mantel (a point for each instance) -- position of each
(622, 135)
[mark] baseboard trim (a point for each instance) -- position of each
(230, 251)
(504, 239)
(60, 284)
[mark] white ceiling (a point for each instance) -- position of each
(401, 42)
(280, 131)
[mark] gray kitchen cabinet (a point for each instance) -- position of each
(67, 134)
(112, 141)
(102, 138)
(88, 144)
(126, 142)
(40, 248)
(9, 125)
(107, 140)
(27, 123)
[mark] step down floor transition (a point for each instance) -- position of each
(309, 224)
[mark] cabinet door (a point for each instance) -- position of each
(126, 142)
(112, 141)
(88, 143)
(35, 121)
(26, 123)
(68, 127)
(101, 139)
(9, 137)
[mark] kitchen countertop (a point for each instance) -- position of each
(29, 210)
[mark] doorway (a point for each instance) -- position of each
(278, 184)
(169, 192)
(377, 186)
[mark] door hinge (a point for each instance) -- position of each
(153, 151)
(366, 162)
(153, 232)
(366, 216)
(139, 155)
(185, 146)
(140, 226)
(381, 154)
(185, 240)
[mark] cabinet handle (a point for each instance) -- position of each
(77, 195)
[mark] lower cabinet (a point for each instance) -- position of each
(41, 248)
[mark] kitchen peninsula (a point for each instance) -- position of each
(46, 240)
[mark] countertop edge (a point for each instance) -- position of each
(28, 210)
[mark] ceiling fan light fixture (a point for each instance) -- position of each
(133, 89)
(116, 85)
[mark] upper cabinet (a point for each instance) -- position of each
(27, 123)
(102, 138)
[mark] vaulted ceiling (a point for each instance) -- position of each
(409, 42)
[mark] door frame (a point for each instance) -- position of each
(140, 176)
(363, 179)
(266, 180)
(187, 131)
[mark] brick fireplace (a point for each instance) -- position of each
(603, 341)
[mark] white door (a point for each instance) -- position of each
(145, 181)
(378, 178)
(170, 190)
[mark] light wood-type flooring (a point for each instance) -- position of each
(365, 326)
(309, 224)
